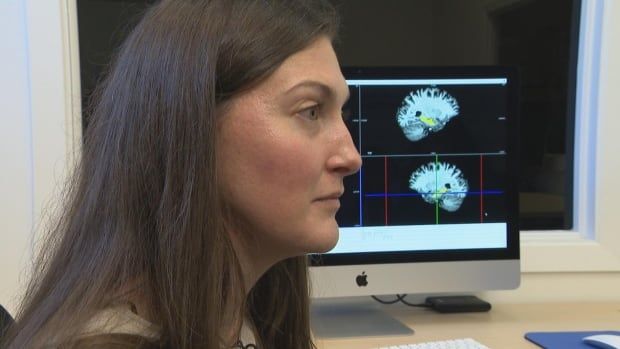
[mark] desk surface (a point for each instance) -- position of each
(503, 327)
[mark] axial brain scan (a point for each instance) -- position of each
(440, 183)
(426, 111)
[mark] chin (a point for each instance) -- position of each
(327, 241)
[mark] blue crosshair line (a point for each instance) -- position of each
(484, 192)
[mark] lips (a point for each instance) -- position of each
(332, 196)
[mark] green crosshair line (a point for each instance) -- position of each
(436, 189)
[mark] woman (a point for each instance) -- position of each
(213, 163)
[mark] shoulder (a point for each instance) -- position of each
(116, 328)
(111, 341)
(120, 320)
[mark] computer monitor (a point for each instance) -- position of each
(434, 206)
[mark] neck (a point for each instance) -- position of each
(253, 264)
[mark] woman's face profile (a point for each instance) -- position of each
(283, 150)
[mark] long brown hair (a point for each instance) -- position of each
(143, 203)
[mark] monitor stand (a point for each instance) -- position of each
(353, 317)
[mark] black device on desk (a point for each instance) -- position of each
(457, 304)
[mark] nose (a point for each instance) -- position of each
(346, 160)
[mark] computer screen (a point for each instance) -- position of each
(434, 206)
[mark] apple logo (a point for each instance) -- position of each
(361, 279)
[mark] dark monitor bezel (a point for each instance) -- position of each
(511, 252)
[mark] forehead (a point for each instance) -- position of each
(317, 62)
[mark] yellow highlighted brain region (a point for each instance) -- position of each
(440, 183)
(426, 111)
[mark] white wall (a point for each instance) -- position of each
(38, 133)
(16, 204)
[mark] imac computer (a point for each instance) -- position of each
(433, 209)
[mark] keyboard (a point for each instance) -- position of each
(461, 343)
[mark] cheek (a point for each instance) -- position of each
(268, 170)
(284, 169)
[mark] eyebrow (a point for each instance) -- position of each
(324, 89)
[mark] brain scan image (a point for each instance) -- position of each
(440, 183)
(426, 111)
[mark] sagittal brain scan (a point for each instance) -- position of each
(440, 183)
(440, 160)
(426, 111)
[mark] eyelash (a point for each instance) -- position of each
(315, 107)
(345, 113)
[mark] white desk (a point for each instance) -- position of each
(503, 327)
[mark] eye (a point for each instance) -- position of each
(310, 113)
